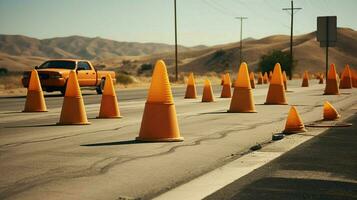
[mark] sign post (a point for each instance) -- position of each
(327, 33)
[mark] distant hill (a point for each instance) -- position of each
(14, 48)
(20, 52)
(307, 51)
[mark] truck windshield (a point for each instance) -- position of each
(59, 64)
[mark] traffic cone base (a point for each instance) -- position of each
(242, 101)
(331, 87)
(285, 80)
(276, 95)
(207, 95)
(252, 79)
(73, 111)
(158, 124)
(321, 79)
(265, 78)
(111, 111)
(294, 123)
(305, 80)
(329, 112)
(35, 102)
(73, 105)
(226, 89)
(260, 79)
(191, 88)
(109, 104)
(191, 92)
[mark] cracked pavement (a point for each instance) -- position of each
(39, 160)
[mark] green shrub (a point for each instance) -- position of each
(3, 71)
(268, 61)
(124, 79)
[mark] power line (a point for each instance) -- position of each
(291, 9)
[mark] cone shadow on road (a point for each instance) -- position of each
(124, 142)
(31, 126)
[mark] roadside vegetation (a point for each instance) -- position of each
(268, 61)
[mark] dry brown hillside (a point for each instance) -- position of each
(307, 51)
(20, 52)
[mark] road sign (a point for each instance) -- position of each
(327, 31)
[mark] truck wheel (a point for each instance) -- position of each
(100, 87)
(63, 90)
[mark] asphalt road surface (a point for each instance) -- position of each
(40, 160)
(323, 168)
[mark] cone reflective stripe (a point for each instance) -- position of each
(226, 88)
(321, 79)
(35, 101)
(331, 82)
(276, 92)
(207, 95)
(294, 123)
(159, 122)
(285, 81)
(330, 113)
(305, 80)
(73, 111)
(346, 78)
(242, 100)
(252, 79)
(265, 78)
(191, 88)
(109, 105)
(260, 78)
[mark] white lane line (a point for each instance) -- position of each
(211, 182)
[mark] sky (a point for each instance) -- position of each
(200, 22)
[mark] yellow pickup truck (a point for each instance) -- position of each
(53, 75)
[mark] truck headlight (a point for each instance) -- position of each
(54, 76)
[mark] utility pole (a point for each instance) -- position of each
(176, 67)
(291, 9)
(241, 37)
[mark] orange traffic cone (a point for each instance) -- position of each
(242, 100)
(354, 78)
(260, 78)
(346, 78)
(321, 79)
(226, 89)
(265, 78)
(73, 110)
(305, 80)
(207, 95)
(270, 75)
(252, 79)
(276, 92)
(35, 101)
(285, 81)
(109, 105)
(331, 82)
(294, 123)
(159, 122)
(330, 113)
(191, 88)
